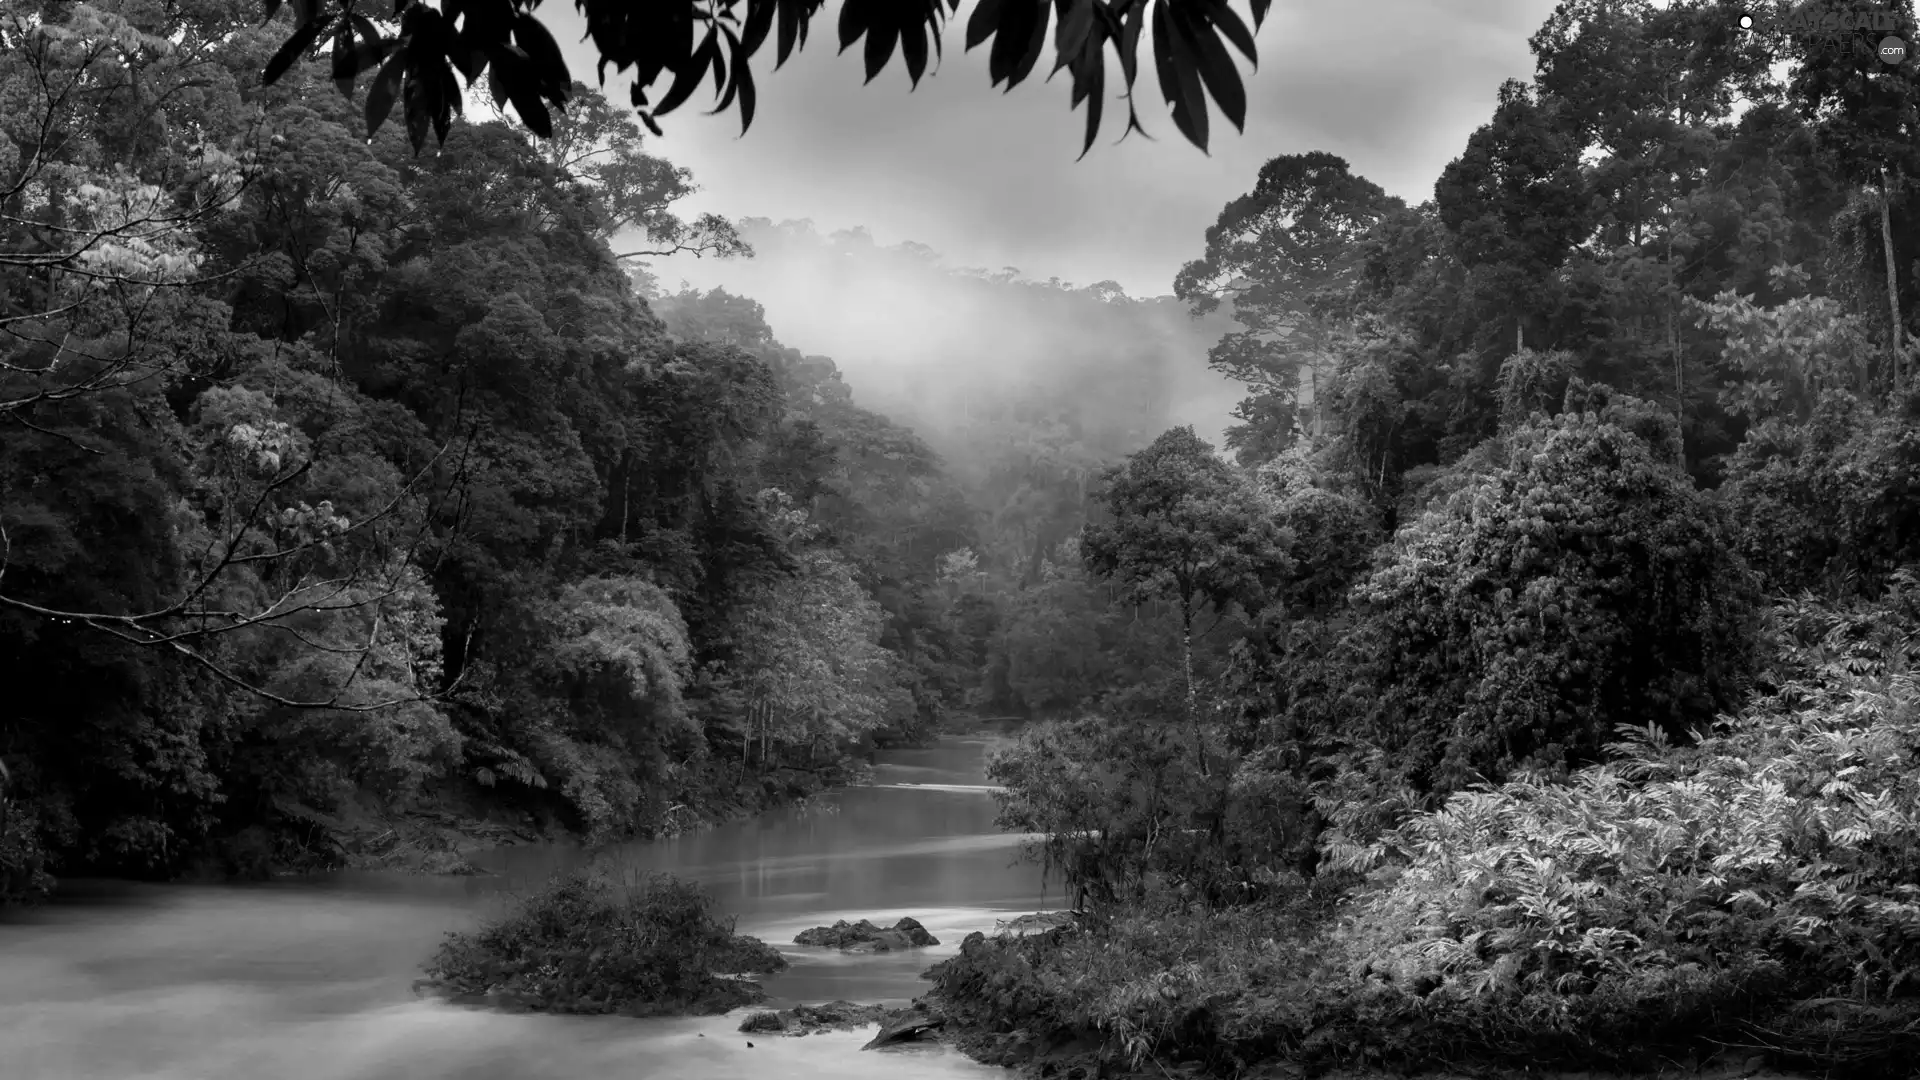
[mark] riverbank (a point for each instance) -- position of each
(442, 838)
(1251, 996)
(1028, 1055)
(437, 831)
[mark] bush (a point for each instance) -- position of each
(1757, 888)
(587, 944)
(1582, 581)
(1828, 503)
(23, 876)
(1229, 987)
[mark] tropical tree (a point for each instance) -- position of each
(1185, 528)
(807, 657)
(1284, 258)
(1578, 580)
(112, 178)
(602, 147)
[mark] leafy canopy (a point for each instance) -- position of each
(1184, 526)
(414, 60)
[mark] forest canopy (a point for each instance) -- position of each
(1525, 675)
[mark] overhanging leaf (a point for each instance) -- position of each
(549, 66)
(344, 67)
(1176, 66)
(449, 102)
(1221, 14)
(1214, 65)
(880, 43)
(759, 24)
(421, 99)
(688, 78)
(384, 91)
(533, 112)
(984, 22)
(790, 30)
(1076, 22)
(913, 49)
(293, 49)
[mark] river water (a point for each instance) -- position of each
(312, 980)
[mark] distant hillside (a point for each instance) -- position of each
(958, 352)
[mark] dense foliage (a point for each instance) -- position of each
(507, 43)
(585, 943)
(1569, 722)
(1533, 684)
(337, 483)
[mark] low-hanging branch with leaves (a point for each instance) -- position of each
(415, 58)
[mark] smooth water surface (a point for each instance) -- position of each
(312, 980)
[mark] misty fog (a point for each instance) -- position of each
(943, 348)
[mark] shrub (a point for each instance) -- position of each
(1226, 987)
(1828, 503)
(1106, 795)
(1757, 888)
(23, 876)
(586, 944)
(1582, 581)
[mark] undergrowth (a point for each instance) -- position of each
(589, 943)
(1755, 891)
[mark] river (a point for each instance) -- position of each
(312, 979)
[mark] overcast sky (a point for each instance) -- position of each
(989, 179)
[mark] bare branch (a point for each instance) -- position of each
(14, 415)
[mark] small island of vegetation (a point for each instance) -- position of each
(590, 942)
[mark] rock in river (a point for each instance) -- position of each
(896, 1025)
(864, 936)
(808, 1019)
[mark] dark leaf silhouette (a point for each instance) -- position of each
(684, 42)
(384, 91)
(293, 49)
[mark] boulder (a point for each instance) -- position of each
(906, 1026)
(811, 1019)
(864, 936)
(1037, 922)
(762, 1022)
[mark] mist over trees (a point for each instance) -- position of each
(1480, 630)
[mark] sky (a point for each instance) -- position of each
(989, 179)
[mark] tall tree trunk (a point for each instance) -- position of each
(1893, 289)
(1673, 345)
(1193, 697)
(1313, 387)
(626, 494)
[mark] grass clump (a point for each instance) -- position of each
(589, 944)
